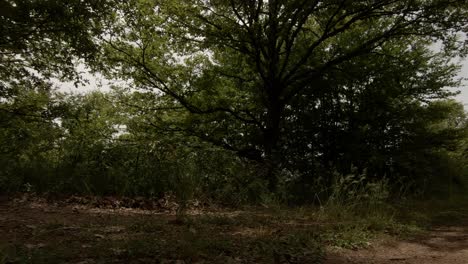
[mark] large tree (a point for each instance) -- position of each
(232, 70)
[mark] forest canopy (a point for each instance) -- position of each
(235, 101)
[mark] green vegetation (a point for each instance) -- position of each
(343, 107)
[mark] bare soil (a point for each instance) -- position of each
(442, 245)
(39, 231)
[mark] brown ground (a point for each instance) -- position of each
(443, 245)
(40, 232)
(36, 231)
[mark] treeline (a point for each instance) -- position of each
(94, 144)
(234, 101)
(100, 143)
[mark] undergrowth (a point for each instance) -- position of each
(357, 212)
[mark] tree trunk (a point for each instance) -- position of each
(271, 138)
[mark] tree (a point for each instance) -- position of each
(432, 146)
(234, 67)
(361, 115)
(39, 40)
(44, 39)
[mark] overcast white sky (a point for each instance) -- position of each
(463, 96)
(98, 83)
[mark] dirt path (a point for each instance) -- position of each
(44, 233)
(38, 232)
(443, 245)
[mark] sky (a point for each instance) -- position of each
(463, 96)
(99, 83)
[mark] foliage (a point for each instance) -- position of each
(235, 102)
(39, 40)
(249, 77)
(342, 105)
(27, 135)
(46, 37)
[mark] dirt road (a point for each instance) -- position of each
(443, 245)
